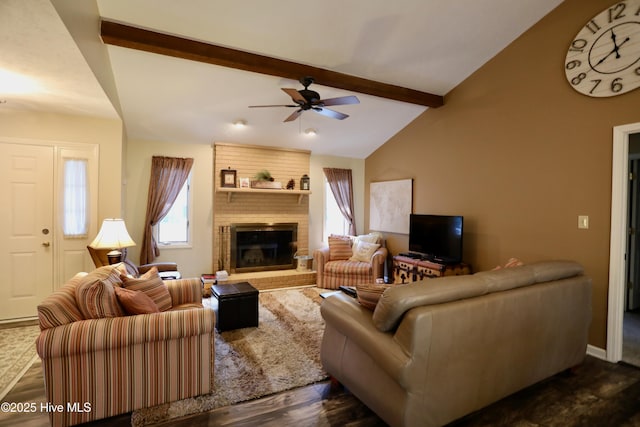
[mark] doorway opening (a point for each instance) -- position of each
(624, 254)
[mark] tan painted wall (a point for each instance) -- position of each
(192, 261)
(520, 154)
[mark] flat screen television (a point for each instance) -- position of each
(436, 238)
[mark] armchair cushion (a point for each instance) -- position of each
(339, 248)
(151, 284)
(363, 251)
(349, 272)
(374, 237)
(96, 297)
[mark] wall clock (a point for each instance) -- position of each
(604, 57)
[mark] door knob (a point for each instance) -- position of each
(46, 244)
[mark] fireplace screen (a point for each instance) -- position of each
(259, 247)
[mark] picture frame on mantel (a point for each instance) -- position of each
(228, 178)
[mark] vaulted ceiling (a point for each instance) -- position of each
(416, 46)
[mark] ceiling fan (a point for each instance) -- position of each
(306, 99)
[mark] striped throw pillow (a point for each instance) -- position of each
(339, 247)
(151, 284)
(369, 293)
(96, 298)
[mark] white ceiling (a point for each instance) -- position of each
(427, 45)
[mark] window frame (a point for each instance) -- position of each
(82, 198)
(179, 245)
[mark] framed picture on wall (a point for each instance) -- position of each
(228, 177)
(390, 203)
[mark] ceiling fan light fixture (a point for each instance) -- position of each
(240, 123)
(311, 131)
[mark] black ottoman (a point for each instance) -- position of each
(237, 306)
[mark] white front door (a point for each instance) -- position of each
(26, 228)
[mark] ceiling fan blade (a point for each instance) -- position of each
(331, 113)
(293, 116)
(295, 95)
(343, 100)
(262, 106)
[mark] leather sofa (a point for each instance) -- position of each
(96, 368)
(435, 350)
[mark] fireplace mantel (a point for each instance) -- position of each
(231, 191)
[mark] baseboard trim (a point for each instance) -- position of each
(597, 352)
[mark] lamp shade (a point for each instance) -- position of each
(112, 235)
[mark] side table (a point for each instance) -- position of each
(407, 269)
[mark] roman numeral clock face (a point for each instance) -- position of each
(604, 57)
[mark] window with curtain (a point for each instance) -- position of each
(75, 198)
(341, 184)
(334, 220)
(173, 229)
(168, 177)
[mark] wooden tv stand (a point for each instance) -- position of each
(407, 269)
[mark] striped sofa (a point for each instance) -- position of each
(98, 368)
(336, 264)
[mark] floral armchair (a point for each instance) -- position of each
(350, 260)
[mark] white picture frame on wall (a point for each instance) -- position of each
(390, 204)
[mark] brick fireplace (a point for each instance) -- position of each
(256, 207)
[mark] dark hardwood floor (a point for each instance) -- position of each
(596, 394)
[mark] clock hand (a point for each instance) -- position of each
(615, 45)
(604, 58)
(614, 50)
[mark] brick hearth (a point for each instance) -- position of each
(264, 280)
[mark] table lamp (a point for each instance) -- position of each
(113, 235)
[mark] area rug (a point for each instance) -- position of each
(17, 354)
(282, 353)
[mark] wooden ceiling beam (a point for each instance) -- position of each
(123, 35)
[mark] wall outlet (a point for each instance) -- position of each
(583, 222)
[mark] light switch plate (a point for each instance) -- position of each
(583, 222)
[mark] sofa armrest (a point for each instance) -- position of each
(377, 262)
(185, 291)
(349, 318)
(96, 335)
(321, 257)
(161, 266)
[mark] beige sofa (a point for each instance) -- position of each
(436, 350)
(100, 367)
